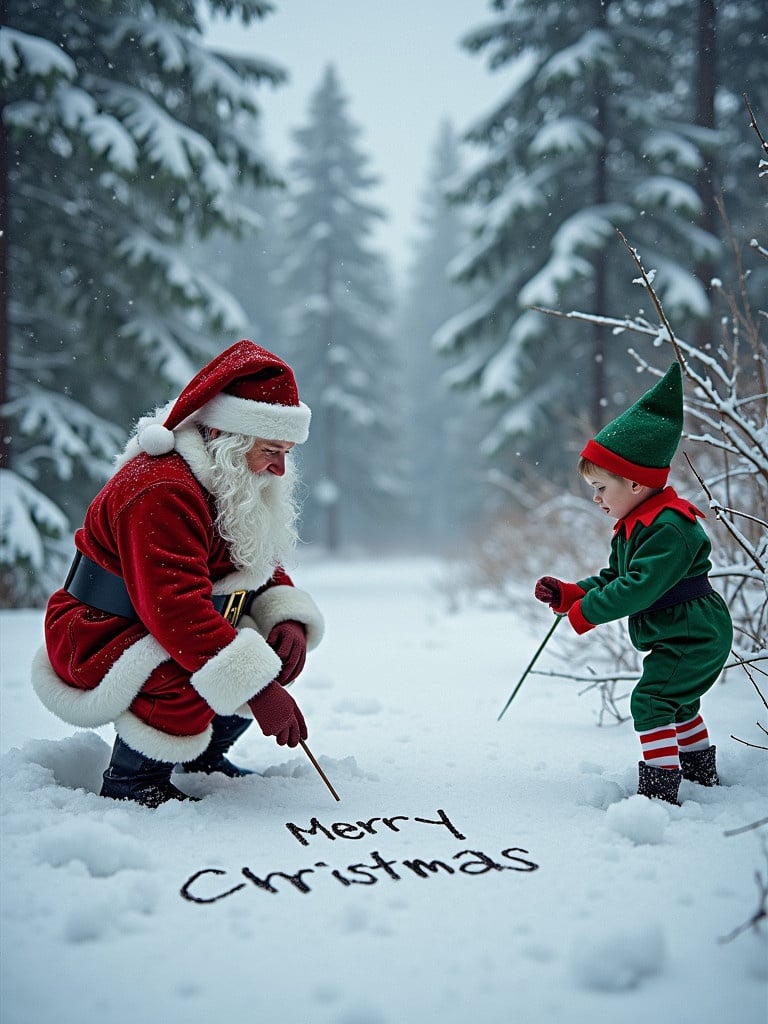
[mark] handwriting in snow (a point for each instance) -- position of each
(358, 830)
(198, 887)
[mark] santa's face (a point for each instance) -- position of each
(268, 456)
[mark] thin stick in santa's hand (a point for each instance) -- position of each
(531, 663)
(319, 770)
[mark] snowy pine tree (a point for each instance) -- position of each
(739, 41)
(596, 129)
(246, 266)
(123, 137)
(335, 324)
(443, 483)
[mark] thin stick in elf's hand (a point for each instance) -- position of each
(531, 663)
(319, 770)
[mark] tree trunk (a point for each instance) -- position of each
(600, 262)
(332, 506)
(330, 416)
(706, 84)
(5, 432)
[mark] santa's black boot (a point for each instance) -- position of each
(659, 783)
(133, 776)
(699, 766)
(226, 729)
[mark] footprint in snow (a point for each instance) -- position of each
(359, 706)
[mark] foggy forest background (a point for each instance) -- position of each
(145, 227)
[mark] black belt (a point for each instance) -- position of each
(685, 590)
(103, 590)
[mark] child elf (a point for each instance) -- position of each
(657, 577)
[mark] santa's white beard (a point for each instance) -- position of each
(257, 513)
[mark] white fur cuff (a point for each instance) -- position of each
(277, 604)
(237, 673)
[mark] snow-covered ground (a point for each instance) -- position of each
(562, 896)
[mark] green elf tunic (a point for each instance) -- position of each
(654, 549)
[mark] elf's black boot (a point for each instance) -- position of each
(659, 783)
(226, 729)
(699, 766)
(133, 776)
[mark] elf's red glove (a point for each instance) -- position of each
(278, 715)
(289, 642)
(558, 595)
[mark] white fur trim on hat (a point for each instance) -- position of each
(273, 422)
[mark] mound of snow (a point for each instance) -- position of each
(639, 819)
(618, 960)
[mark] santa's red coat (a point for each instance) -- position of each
(162, 679)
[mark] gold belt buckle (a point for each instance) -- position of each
(233, 609)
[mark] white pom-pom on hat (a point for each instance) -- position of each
(156, 439)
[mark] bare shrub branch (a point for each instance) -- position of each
(761, 913)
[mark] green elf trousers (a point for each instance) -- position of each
(687, 645)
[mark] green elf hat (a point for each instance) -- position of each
(641, 443)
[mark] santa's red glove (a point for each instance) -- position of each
(558, 595)
(289, 642)
(278, 715)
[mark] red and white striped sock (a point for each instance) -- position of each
(692, 735)
(660, 747)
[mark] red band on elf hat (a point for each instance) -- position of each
(603, 458)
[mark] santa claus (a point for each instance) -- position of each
(177, 622)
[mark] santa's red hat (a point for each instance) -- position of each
(244, 390)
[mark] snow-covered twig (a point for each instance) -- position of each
(604, 684)
(753, 124)
(743, 662)
(746, 743)
(654, 298)
(595, 681)
(761, 914)
(747, 668)
(746, 828)
(740, 540)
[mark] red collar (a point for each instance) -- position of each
(651, 507)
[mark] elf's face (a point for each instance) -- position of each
(616, 496)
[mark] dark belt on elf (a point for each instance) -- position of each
(685, 590)
(101, 589)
